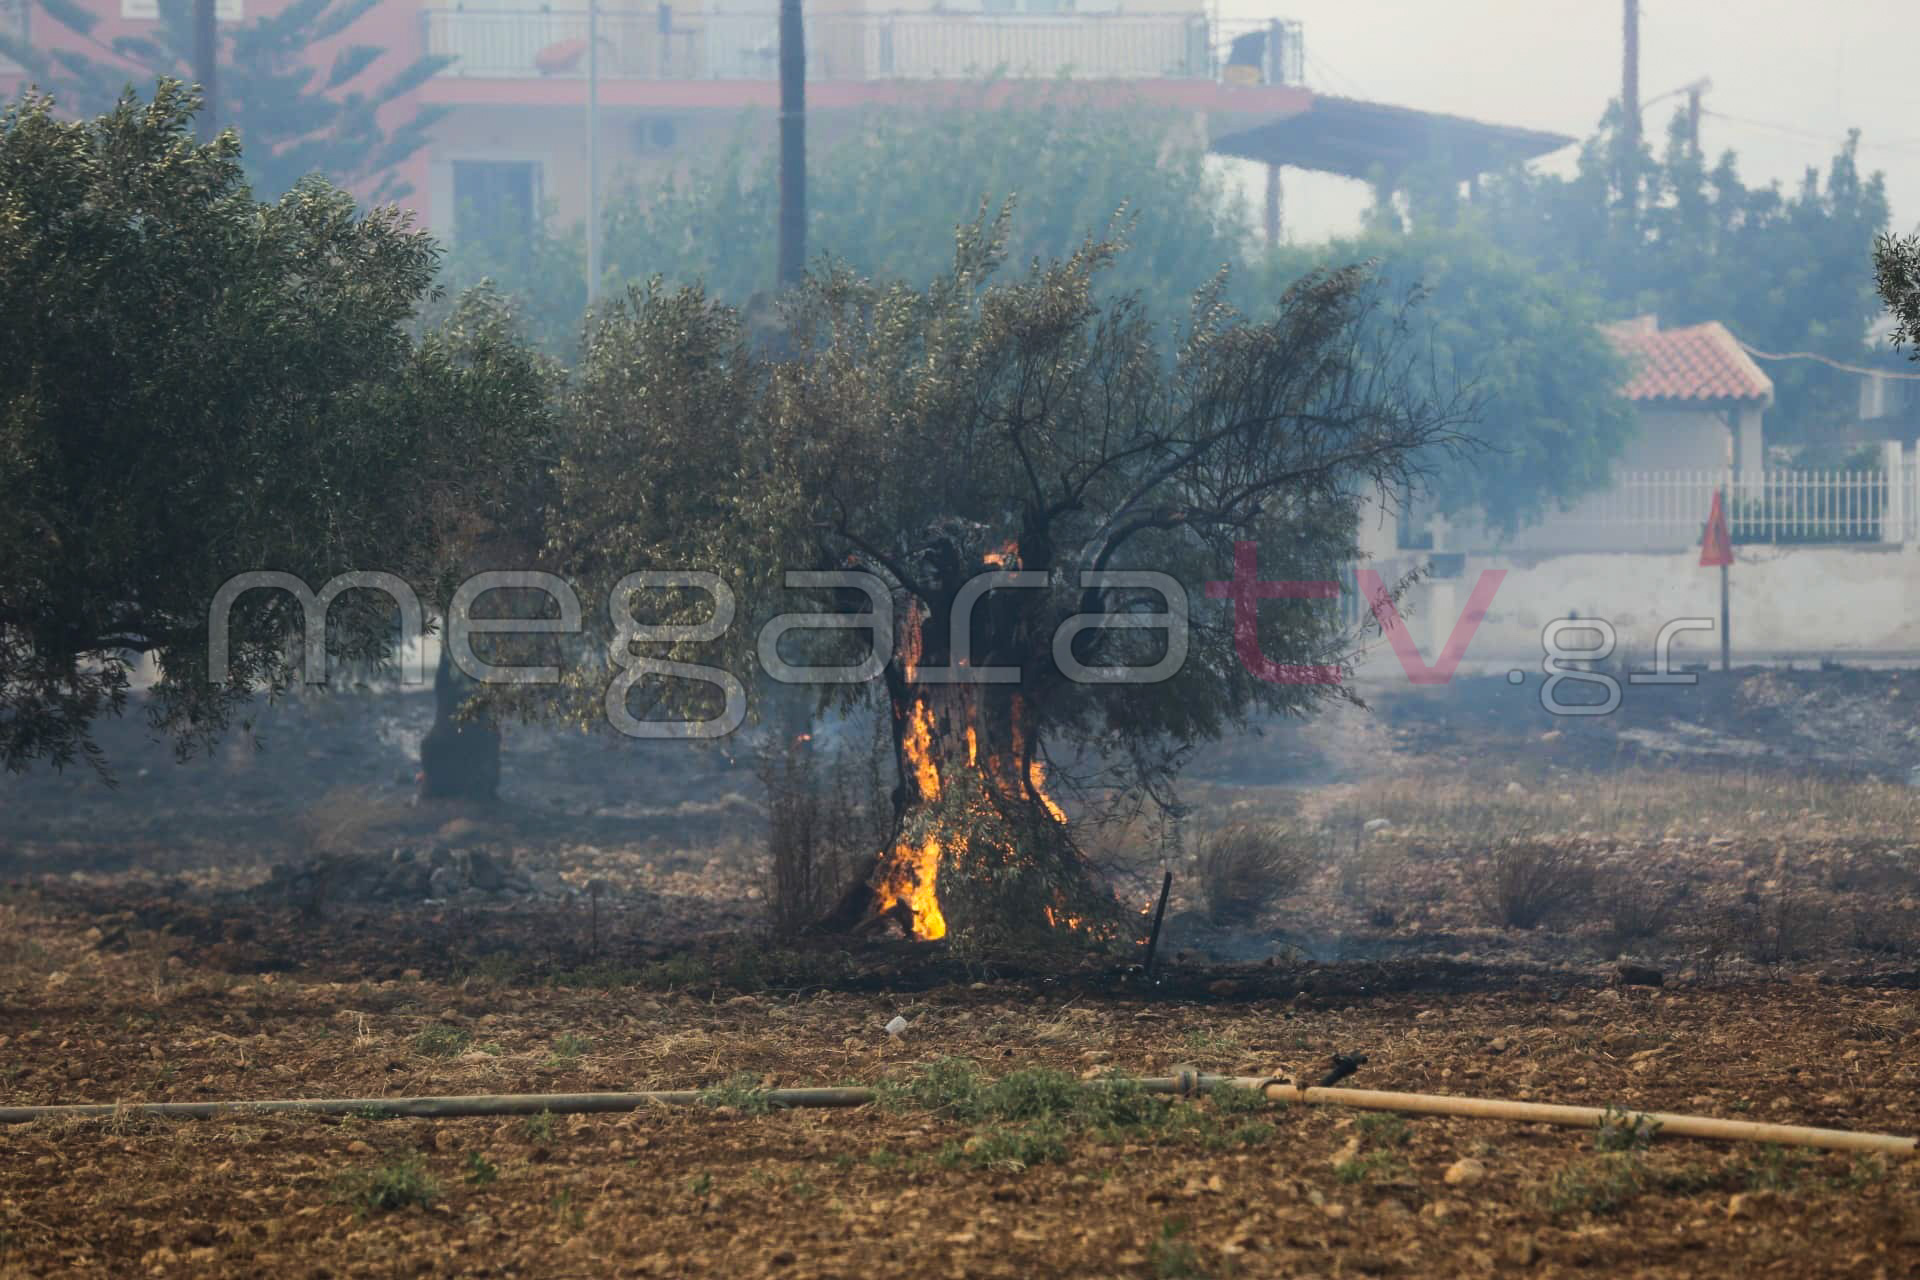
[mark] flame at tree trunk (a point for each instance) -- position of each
(980, 849)
(910, 874)
(970, 808)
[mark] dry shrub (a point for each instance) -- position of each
(350, 820)
(827, 810)
(1522, 883)
(1887, 928)
(1372, 872)
(1637, 913)
(1778, 922)
(1245, 867)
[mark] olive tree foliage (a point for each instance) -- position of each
(1546, 378)
(1896, 262)
(1006, 419)
(195, 385)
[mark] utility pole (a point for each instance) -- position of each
(1694, 92)
(793, 144)
(1629, 91)
(593, 151)
(206, 59)
(1273, 206)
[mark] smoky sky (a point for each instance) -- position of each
(1790, 77)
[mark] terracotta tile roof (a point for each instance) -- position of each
(1701, 362)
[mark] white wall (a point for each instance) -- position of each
(1861, 600)
(1667, 439)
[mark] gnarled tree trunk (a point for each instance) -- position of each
(459, 758)
(979, 847)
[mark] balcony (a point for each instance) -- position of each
(670, 44)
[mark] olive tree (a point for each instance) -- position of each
(1020, 423)
(1896, 261)
(195, 385)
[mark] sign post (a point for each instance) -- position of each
(1716, 549)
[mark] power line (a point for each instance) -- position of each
(1330, 71)
(1757, 353)
(1794, 131)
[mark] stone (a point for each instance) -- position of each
(444, 883)
(1465, 1172)
(1753, 1204)
(485, 872)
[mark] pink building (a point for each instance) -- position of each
(675, 80)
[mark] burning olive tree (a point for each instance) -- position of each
(1019, 425)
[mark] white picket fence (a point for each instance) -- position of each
(1770, 506)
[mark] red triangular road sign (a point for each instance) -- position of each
(1716, 548)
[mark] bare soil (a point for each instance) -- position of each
(147, 952)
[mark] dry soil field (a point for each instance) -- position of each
(143, 957)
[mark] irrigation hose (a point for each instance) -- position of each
(1185, 1083)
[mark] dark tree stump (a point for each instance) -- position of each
(459, 758)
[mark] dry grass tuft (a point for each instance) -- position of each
(827, 809)
(1522, 883)
(346, 819)
(1637, 913)
(1246, 867)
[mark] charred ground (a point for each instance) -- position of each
(269, 924)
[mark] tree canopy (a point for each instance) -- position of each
(998, 420)
(1896, 261)
(1531, 349)
(195, 385)
(1690, 241)
(266, 92)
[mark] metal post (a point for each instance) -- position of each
(1727, 638)
(1893, 508)
(593, 151)
(1273, 206)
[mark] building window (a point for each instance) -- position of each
(495, 200)
(149, 10)
(654, 131)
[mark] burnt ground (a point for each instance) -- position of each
(281, 922)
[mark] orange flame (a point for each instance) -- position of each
(911, 872)
(914, 869)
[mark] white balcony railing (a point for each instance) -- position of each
(666, 43)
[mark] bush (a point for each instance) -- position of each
(1778, 922)
(826, 810)
(441, 1042)
(1637, 914)
(1246, 867)
(399, 1185)
(1522, 883)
